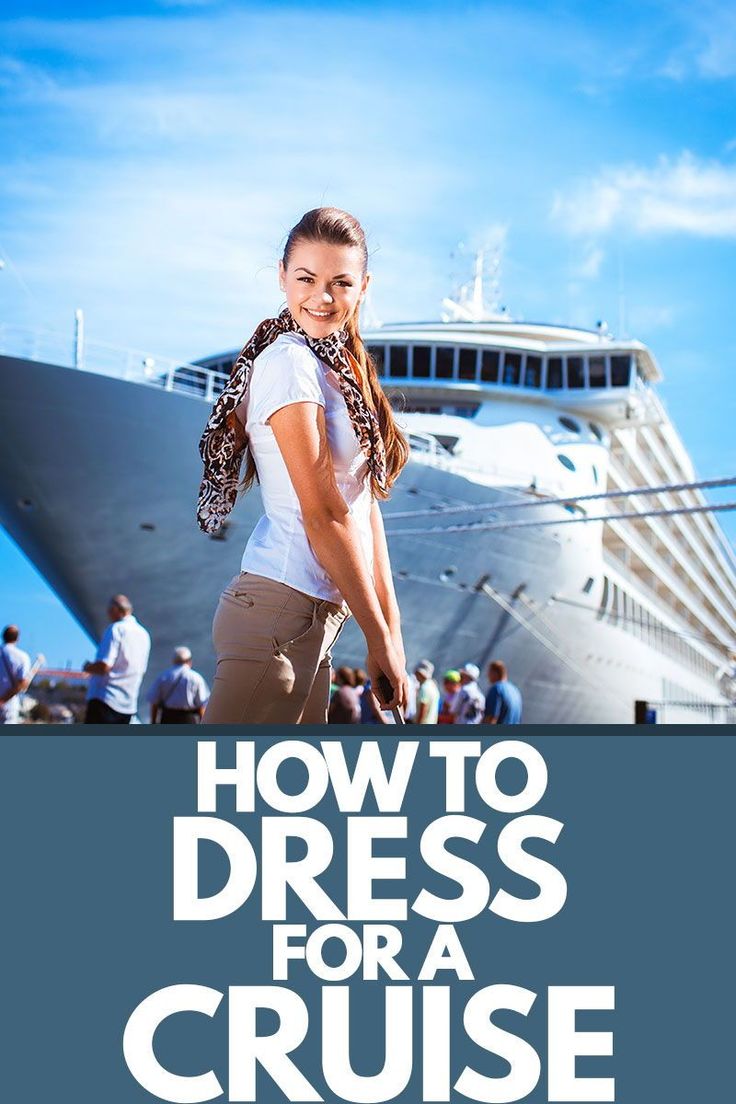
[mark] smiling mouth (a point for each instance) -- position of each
(321, 316)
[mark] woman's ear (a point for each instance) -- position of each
(282, 276)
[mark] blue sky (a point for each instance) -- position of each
(154, 156)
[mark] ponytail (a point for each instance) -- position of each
(394, 442)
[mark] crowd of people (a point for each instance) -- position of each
(179, 694)
(460, 700)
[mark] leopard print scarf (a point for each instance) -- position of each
(223, 448)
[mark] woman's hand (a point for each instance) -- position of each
(388, 662)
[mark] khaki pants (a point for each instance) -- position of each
(273, 654)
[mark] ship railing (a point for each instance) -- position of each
(101, 358)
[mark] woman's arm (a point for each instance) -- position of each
(383, 579)
(384, 583)
(301, 435)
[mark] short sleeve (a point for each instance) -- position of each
(109, 646)
(286, 372)
(202, 694)
(493, 703)
(155, 690)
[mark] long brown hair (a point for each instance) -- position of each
(336, 227)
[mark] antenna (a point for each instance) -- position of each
(621, 293)
(468, 304)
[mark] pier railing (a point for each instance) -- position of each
(101, 358)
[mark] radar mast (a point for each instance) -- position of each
(469, 302)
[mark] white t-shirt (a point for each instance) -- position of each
(287, 372)
(428, 694)
(471, 704)
(125, 645)
(15, 665)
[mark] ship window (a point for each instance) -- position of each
(468, 365)
(565, 461)
(554, 372)
(533, 372)
(588, 585)
(399, 361)
(421, 361)
(444, 363)
(575, 372)
(569, 423)
(595, 474)
(620, 371)
(511, 368)
(489, 366)
(597, 371)
(596, 431)
(376, 354)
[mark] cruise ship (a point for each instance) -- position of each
(549, 515)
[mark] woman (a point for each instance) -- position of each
(344, 705)
(304, 407)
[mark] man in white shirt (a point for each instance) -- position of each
(471, 704)
(428, 694)
(179, 694)
(15, 668)
(118, 669)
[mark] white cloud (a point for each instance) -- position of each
(687, 195)
(717, 56)
(590, 263)
(708, 47)
(170, 156)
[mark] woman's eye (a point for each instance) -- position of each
(305, 279)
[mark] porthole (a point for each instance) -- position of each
(565, 461)
(596, 431)
(569, 423)
(595, 474)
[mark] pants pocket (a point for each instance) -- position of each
(291, 629)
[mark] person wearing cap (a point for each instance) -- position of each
(449, 697)
(179, 694)
(118, 669)
(428, 694)
(470, 702)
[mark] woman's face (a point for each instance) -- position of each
(323, 285)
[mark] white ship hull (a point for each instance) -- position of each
(98, 486)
